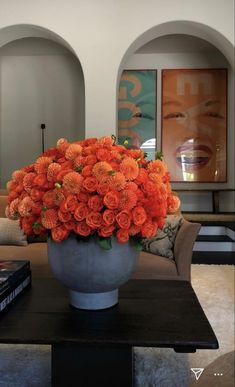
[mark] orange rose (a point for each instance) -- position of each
(94, 219)
(40, 181)
(139, 215)
(91, 160)
(149, 229)
(123, 218)
(87, 170)
(64, 216)
(161, 222)
(111, 200)
(49, 199)
(71, 225)
(36, 194)
(106, 231)
(60, 175)
(103, 188)
(81, 212)
(27, 226)
(142, 176)
(122, 235)
(90, 184)
(95, 203)
(109, 217)
(69, 204)
(12, 195)
(173, 204)
(83, 229)
(59, 233)
(83, 196)
(103, 154)
(37, 208)
(150, 188)
(133, 230)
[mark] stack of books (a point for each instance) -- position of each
(15, 277)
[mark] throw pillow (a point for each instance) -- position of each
(11, 233)
(162, 243)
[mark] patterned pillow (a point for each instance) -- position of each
(11, 233)
(162, 243)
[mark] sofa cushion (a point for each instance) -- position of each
(162, 243)
(155, 267)
(11, 233)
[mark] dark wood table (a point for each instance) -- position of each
(95, 348)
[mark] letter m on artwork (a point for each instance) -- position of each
(193, 82)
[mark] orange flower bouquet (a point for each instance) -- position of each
(93, 188)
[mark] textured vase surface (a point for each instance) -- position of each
(92, 274)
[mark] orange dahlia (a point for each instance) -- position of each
(25, 206)
(50, 218)
(156, 178)
(100, 169)
(62, 144)
(72, 182)
(117, 181)
(13, 208)
(106, 141)
(129, 168)
(73, 151)
(41, 164)
(157, 166)
(28, 181)
(128, 199)
(18, 176)
(52, 171)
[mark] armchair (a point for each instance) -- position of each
(153, 266)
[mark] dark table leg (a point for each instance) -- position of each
(74, 366)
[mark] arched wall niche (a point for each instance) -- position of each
(19, 31)
(41, 81)
(209, 44)
(181, 27)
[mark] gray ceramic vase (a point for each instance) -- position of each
(92, 274)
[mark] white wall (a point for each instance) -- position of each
(40, 83)
(101, 32)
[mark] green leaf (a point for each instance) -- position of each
(136, 243)
(105, 243)
(159, 155)
(114, 138)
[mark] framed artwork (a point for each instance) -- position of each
(194, 124)
(137, 110)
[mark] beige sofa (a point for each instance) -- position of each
(150, 266)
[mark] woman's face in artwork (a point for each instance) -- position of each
(194, 124)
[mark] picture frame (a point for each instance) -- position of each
(194, 124)
(137, 110)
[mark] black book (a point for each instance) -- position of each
(12, 271)
(13, 291)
